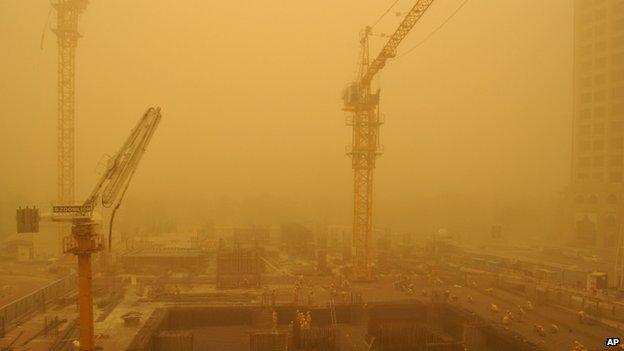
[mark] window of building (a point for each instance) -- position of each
(586, 98)
(583, 146)
(617, 109)
(599, 95)
(592, 199)
(579, 199)
(617, 126)
(618, 92)
(610, 221)
(599, 128)
(600, 79)
(618, 76)
(616, 144)
(597, 177)
(612, 199)
(599, 111)
(587, 34)
(582, 176)
(583, 162)
(598, 161)
(615, 177)
(598, 145)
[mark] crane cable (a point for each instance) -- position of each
(385, 13)
(434, 31)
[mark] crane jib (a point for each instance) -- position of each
(389, 50)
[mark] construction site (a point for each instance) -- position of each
(497, 221)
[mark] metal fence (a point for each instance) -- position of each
(35, 301)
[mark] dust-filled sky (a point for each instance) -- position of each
(478, 116)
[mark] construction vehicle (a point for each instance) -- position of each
(364, 104)
(85, 239)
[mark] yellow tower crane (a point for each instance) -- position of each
(364, 105)
(66, 30)
(85, 239)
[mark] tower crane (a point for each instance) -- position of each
(364, 106)
(67, 14)
(85, 239)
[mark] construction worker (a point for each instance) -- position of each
(509, 315)
(300, 319)
(520, 313)
(308, 320)
(554, 329)
(470, 299)
(274, 320)
(577, 346)
(529, 306)
(506, 320)
(540, 330)
(493, 308)
(582, 316)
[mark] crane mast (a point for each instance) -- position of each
(67, 14)
(67, 35)
(365, 121)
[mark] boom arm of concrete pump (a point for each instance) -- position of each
(121, 167)
(111, 187)
(115, 181)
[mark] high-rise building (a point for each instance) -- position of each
(595, 197)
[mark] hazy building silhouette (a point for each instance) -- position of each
(596, 193)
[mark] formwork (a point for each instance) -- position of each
(145, 338)
(474, 336)
(268, 341)
(262, 318)
(178, 340)
(410, 336)
(315, 339)
(239, 267)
